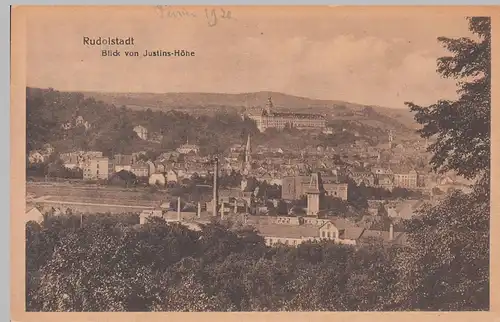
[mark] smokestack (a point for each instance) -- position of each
(216, 187)
(199, 210)
(222, 211)
(179, 208)
(235, 206)
(391, 232)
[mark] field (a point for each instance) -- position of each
(94, 194)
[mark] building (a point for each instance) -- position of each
(35, 157)
(405, 178)
(335, 230)
(160, 166)
(157, 179)
(151, 167)
(97, 169)
(293, 188)
(80, 121)
(365, 177)
(247, 162)
(140, 169)
(188, 148)
(172, 176)
(279, 120)
(78, 159)
(314, 193)
(123, 162)
(34, 214)
(141, 132)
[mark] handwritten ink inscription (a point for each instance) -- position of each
(213, 15)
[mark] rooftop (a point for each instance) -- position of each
(286, 231)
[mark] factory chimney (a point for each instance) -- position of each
(391, 232)
(179, 209)
(215, 202)
(199, 210)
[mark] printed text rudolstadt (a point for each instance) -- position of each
(108, 41)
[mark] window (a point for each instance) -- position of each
(97, 165)
(97, 172)
(328, 234)
(323, 234)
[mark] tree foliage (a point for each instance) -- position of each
(448, 266)
(462, 127)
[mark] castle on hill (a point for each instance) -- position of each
(269, 118)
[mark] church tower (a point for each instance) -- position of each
(269, 106)
(248, 150)
(314, 192)
(247, 161)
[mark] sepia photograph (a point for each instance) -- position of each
(255, 159)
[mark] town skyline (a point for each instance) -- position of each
(257, 52)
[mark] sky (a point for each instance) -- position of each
(378, 56)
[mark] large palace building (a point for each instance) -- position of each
(279, 120)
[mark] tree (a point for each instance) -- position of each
(462, 127)
(447, 265)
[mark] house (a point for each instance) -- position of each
(172, 176)
(380, 170)
(294, 231)
(80, 121)
(141, 132)
(188, 148)
(155, 137)
(123, 162)
(35, 157)
(151, 167)
(374, 205)
(336, 190)
(277, 234)
(157, 179)
(47, 149)
(405, 178)
(140, 169)
(385, 181)
(70, 160)
(160, 166)
(34, 214)
(365, 177)
(97, 169)
(340, 233)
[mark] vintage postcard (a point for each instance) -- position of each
(252, 159)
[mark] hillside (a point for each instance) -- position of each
(400, 120)
(175, 121)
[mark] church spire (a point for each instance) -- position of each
(269, 105)
(248, 150)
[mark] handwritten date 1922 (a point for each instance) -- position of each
(213, 15)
